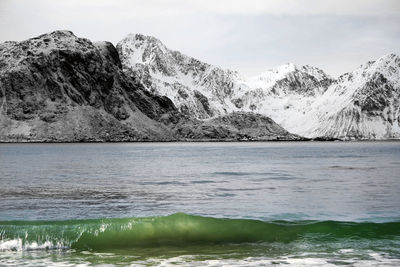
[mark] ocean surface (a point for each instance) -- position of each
(200, 204)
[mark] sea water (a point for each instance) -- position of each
(200, 204)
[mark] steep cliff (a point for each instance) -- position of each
(58, 87)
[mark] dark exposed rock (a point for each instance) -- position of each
(235, 126)
(58, 87)
(183, 94)
(325, 138)
(375, 95)
(238, 102)
(204, 102)
(301, 82)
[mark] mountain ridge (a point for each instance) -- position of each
(289, 94)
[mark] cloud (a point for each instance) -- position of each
(123, 9)
(247, 35)
(242, 7)
(296, 7)
(150, 8)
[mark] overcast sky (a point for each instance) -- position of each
(250, 36)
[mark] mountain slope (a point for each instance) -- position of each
(58, 87)
(360, 104)
(196, 88)
(304, 100)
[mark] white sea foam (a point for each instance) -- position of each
(69, 258)
(19, 245)
(377, 260)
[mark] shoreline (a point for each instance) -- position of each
(205, 141)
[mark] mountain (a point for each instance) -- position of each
(61, 88)
(303, 99)
(58, 87)
(363, 104)
(196, 88)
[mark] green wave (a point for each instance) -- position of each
(179, 229)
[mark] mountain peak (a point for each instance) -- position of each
(61, 33)
(385, 61)
(387, 65)
(390, 56)
(140, 49)
(55, 35)
(137, 40)
(289, 71)
(11, 53)
(389, 60)
(288, 67)
(277, 73)
(139, 37)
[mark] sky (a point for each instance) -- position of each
(250, 36)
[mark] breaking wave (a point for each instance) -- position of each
(179, 229)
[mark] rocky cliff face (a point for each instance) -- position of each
(234, 126)
(58, 87)
(304, 100)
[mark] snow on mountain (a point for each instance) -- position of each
(360, 104)
(290, 79)
(303, 99)
(284, 93)
(196, 88)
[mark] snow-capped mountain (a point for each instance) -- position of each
(285, 92)
(303, 99)
(196, 88)
(205, 91)
(360, 104)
